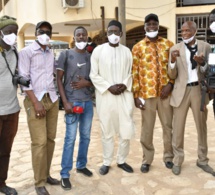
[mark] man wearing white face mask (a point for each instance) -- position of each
(9, 105)
(36, 62)
(187, 65)
(152, 84)
(76, 93)
(212, 27)
(111, 75)
(212, 20)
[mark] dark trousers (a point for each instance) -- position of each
(8, 129)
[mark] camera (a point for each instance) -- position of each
(17, 79)
(210, 75)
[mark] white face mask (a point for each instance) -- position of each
(80, 45)
(152, 34)
(186, 41)
(113, 39)
(89, 43)
(9, 39)
(43, 39)
(212, 27)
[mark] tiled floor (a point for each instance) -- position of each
(159, 181)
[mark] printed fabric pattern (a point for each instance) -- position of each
(150, 65)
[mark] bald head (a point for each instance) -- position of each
(191, 25)
(188, 31)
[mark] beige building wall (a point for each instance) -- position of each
(29, 12)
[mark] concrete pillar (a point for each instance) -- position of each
(122, 19)
(3, 12)
(20, 41)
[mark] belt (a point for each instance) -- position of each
(193, 84)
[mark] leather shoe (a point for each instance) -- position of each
(104, 170)
(144, 168)
(126, 167)
(52, 181)
(8, 190)
(169, 164)
(206, 168)
(176, 169)
(41, 191)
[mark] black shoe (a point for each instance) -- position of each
(104, 170)
(126, 167)
(144, 168)
(206, 168)
(169, 164)
(52, 181)
(65, 184)
(8, 190)
(85, 171)
(41, 191)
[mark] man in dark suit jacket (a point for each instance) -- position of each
(187, 65)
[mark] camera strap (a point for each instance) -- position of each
(4, 56)
(203, 93)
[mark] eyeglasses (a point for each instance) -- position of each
(116, 32)
(44, 32)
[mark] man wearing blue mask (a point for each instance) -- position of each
(187, 66)
(9, 105)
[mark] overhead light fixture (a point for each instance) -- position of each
(67, 24)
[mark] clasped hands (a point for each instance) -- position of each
(117, 89)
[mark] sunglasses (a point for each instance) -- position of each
(44, 32)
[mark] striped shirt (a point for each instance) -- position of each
(37, 65)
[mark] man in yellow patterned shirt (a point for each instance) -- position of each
(151, 88)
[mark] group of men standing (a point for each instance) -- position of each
(155, 77)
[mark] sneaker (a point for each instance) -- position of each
(85, 171)
(65, 184)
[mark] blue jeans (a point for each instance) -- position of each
(84, 121)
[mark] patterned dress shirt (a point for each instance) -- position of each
(150, 61)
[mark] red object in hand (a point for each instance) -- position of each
(78, 109)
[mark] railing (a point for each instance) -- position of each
(184, 3)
